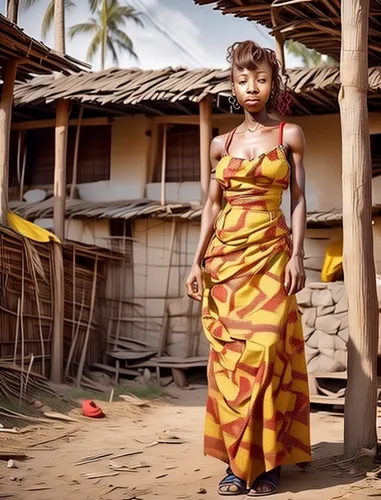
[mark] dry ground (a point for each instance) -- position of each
(174, 471)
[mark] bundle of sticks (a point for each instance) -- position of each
(20, 384)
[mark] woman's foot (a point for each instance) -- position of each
(231, 485)
(266, 484)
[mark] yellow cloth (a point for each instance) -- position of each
(258, 399)
(30, 230)
(333, 262)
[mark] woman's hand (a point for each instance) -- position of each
(194, 283)
(295, 276)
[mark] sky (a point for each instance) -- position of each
(187, 35)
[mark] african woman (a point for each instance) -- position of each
(247, 271)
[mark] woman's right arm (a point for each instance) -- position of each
(211, 210)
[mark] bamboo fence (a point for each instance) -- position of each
(26, 304)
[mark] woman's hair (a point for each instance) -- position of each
(247, 55)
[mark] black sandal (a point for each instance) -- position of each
(232, 480)
(270, 479)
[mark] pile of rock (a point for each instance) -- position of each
(325, 326)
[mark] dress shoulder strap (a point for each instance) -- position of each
(228, 140)
(280, 138)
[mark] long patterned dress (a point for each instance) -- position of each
(258, 403)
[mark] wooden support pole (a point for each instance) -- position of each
(9, 77)
(205, 140)
(60, 168)
(56, 373)
(358, 261)
(153, 151)
(163, 166)
(76, 151)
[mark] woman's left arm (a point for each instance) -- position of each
(295, 276)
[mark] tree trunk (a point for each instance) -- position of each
(359, 269)
(59, 26)
(12, 10)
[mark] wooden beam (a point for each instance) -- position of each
(177, 120)
(76, 151)
(9, 77)
(163, 166)
(56, 372)
(50, 123)
(360, 424)
(60, 168)
(153, 151)
(205, 140)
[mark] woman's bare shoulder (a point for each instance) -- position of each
(217, 146)
(294, 136)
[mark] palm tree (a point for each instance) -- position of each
(12, 10)
(106, 29)
(48, 19)
(310, 57)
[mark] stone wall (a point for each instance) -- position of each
(325, 326)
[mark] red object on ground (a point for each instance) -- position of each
(90, 409)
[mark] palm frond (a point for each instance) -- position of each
(123, 38)
(121, 14)
(125, 48)
(83, 28)
(48, 19)
(94, 5)
(111, 48)
(94, 46)
(26, 4)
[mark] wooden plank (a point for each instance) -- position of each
(9, 77)
(76, 150)
(60, 168)
(58, 315)
(326, 400)
(177, 120)
(130, 355)
(163, 166)
(112, 369)
(50, 123)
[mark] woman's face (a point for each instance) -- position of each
(253, 87)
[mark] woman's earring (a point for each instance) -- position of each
(234, 105)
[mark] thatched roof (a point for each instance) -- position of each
(34, 57)
(166, 91)
(151, 91)
(132, 209)
(316, 23)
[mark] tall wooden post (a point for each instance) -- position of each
(10, 70)
(205, 140)
(359, 269)
(62, 119)
(56, 372)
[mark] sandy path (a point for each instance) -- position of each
(177, 471)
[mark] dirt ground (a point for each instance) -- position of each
(170, 470)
